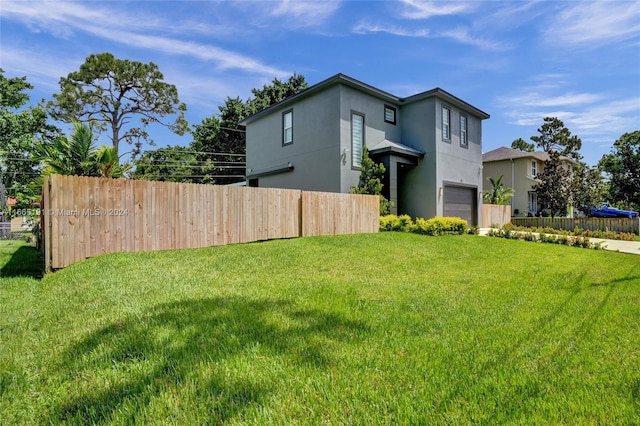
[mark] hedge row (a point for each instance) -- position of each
(577, 232)
(434, 226)
(567, 240)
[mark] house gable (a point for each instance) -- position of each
(519, 170)
(309, 141)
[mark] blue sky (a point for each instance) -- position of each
(518, 61)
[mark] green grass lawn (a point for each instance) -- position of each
(367, 329)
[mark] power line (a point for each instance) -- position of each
(231, 154)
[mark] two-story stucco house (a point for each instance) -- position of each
(519, 170)
(430, 144)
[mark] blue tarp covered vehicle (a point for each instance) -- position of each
(603, 210)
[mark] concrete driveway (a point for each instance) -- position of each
(632, 247)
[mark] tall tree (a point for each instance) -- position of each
(111, 92)
(554, 136)
(587, 188)
(623, 169)
(554, 187)
(275, 92)
(220, 142)
(21, 129)
(521, 145)
(170, 164)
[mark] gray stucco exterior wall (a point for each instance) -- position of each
(445, 162)
(314, 152)
(376, 130)
(418, 196)
(459, 165)
(321, 151)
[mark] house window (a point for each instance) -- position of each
(389, 114)
(287, 127)
(446, 130)
(533, 203)
(534, 168)
(463, 131)
(357, 139)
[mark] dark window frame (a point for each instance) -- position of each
(284, 128)
(446, 138)
(395, 112)
(355, 166)
(466, 131)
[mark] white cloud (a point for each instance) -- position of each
(365, 28)
(594, 117)
(305, 13)
(43, 69)
(426, 9)
(60, 18)
(460, 34)
(618, 116)
(533, 99)
(281, 15)
(464, 36)
(509, 14)
(592, 24)
(128, 30)
(587, 115)
(225, 59)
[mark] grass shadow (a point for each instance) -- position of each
(25, 261)
(526, 344)
(220, 354)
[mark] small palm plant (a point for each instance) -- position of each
(70, 156)
(78, 156)
(498, 194)
(108, 163)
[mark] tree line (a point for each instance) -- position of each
(616, 177)
(121, 98)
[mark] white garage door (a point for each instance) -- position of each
(461, 202)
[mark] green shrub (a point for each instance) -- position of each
(391, 222)
(440, 226)
(434, 226)
(540, 236)
(405, 222)
(421, 226)
(387, 222)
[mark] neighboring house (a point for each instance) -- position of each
(519, 170)
(430, 144)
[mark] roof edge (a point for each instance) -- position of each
(371, 90)
(454, 100)
(333, 80)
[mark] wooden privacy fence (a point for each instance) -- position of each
(495, 214)
(591, 223)
(83, 217)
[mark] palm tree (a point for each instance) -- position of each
(498, 194)
(70, 157)
(78, 156)
(108, 163)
